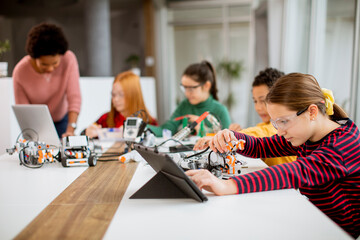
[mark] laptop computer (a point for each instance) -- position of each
(36, 123)
(170, 180)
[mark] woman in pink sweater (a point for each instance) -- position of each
(49, 75)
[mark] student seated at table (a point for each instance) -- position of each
(260, 88)
(126, 99)
(198, 82)
(49, 75)
(315, 129)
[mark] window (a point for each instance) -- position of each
(214, 33)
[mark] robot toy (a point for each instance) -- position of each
(76, 152)
(33, 154)
(222, 165)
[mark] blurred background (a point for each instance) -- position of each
(240, 37)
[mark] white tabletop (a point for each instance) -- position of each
(25, 192)
(281, 214)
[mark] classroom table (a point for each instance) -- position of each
(53, 202)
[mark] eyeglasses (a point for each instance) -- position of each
(284, 123)
(190, 88)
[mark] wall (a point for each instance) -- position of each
(127, 34)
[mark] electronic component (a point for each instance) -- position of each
(76, 152)
(32, 154)
(181, 148)
(133, 128)
(183, 133)
(216, 126)
(222, 165)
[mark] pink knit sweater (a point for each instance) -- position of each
(60, 90)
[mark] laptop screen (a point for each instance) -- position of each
(36, 123)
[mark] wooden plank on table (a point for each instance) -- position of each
(85, 209)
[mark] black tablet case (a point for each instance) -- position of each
(170, 180)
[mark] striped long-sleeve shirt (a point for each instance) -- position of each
(327, 172)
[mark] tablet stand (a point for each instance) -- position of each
(165, 185)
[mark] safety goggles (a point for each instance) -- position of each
(284, 123)
(189, 88)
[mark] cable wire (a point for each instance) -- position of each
(27, 129)
(171, 139)
(198, 153)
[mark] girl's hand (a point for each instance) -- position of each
(68, 133)
(202, 143)
(192, 118)
(91, 131)
(219, 141)
(235, 127)
(205, 180)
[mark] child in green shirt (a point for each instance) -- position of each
(199, 85)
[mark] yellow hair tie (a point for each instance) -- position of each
(329, 101)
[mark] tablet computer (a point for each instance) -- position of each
(170, 180)
(36, 123)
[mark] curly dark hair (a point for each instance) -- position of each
(46, 39)
(267, 77)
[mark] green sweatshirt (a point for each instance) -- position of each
(185, 107)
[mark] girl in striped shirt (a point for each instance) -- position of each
(315, 129)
